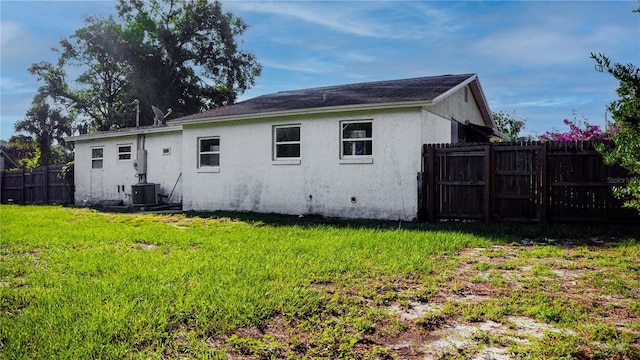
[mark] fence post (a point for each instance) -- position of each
(22, 188)
(45, 184)
(487, 183)
(431, 182)
(542, 197)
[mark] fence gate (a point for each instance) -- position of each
(516, 185)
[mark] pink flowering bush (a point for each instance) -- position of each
(578, 133)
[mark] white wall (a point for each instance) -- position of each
(92, 185)
(249, 180)
(163, 168)
(435, 128)
(460, 108)
(114, 180)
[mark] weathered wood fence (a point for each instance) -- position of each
(520, 182)
(43, 185)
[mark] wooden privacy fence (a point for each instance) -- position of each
(520, 182)
(43, 185)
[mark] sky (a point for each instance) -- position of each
(532, 57)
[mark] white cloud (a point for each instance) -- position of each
(310, 66)
(369, 19)
(9, 31)
(11, 86)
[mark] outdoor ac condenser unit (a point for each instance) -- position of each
(144, 194)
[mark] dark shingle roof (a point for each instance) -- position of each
(379, 92)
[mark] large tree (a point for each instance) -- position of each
(104, 87)
(48, 124)
(178, 54)
(184, 54)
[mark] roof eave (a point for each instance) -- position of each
(124, 132)
(476, 89)
(304, 112)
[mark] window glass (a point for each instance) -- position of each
(357, 139)
(209, 152)
(207, 145)
(209, 159)
(357, 130)
(286, 142)
(96, 158)
(124, 152)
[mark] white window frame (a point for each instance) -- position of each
(286, 160)
(95, 159)
(121, 153)
(350, 158)
(208, 168)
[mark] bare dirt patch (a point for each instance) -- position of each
(483, 308)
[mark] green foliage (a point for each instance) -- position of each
(105, 86)
(48, 124)
(178, 54)
(20, 148)
(509, 124)
(626, 135)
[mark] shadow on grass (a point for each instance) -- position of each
(592, 234)
(528, 234)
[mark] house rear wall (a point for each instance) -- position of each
(250, 180)
(113, 181)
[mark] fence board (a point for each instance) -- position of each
(43, 185)
(525, 182)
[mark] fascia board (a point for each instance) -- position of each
(447, 93)
(306, 112)
(477, 91)
(122, 133)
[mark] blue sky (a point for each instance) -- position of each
(532, 57)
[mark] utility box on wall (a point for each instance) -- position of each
(144, 194)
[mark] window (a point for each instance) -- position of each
(356, 138)
(166, 151)
(209, 152)
(286, 142)
(124, 152)
(97, 157)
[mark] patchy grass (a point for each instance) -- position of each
(76, 283)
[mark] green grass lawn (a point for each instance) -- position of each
(77, 283)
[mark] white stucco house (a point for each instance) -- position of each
(349, 151)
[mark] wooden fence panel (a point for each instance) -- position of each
(516, 183)
(43, 185)
(523, 182)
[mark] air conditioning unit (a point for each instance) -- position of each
(144, 194)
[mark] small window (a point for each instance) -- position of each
(166, 151)
(209, 152)
(124, 152)
(97, 158)
(286, 142)
(357, 140)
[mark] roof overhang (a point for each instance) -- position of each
(125, 132)
(306, 112)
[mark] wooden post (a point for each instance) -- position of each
(45, 184)
(542, 197)
(421, 189)
(22, 188)
(431, 182)
(487, 183)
